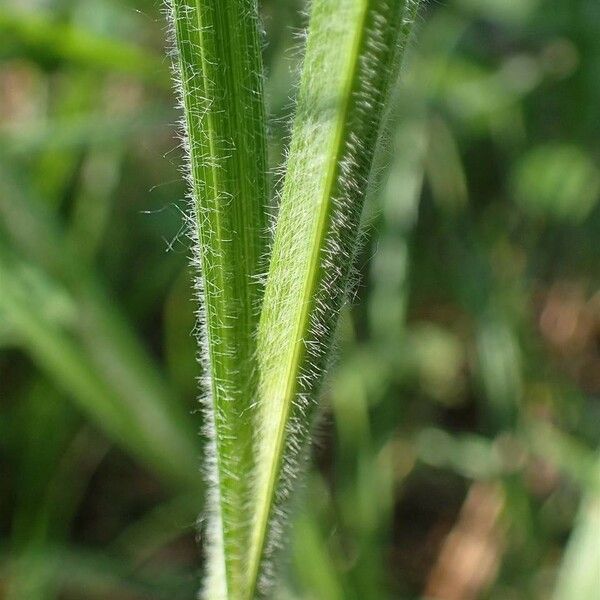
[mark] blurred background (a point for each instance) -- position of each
(457, 457)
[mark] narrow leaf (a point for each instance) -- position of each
(579, 573)
(144, 423)
(352, 57)
(45, 37)
(61, 315)
(220, 71)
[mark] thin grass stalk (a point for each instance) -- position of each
(352, 58)
(219, 68)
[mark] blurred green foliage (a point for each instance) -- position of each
(457, 454)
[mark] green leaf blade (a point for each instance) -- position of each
(220, 71)
(353, 52)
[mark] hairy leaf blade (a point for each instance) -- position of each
(220, 71)
(353, 51)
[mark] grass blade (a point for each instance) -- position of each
(88, 348)
(579, 574)
(143, 423)
(220, 71)
(41, 36)
(353, 52)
